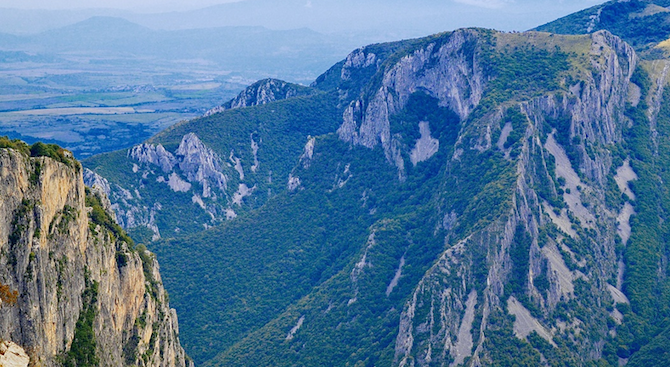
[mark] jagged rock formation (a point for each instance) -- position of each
(192, 169)
(262, 92)
(73, 289)
(193, 163)
(188, 171)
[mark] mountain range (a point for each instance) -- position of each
(372, 20)
(239, 49)
(474, 197)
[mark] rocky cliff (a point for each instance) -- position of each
(189, 178)
(75, 290)
(593, 116)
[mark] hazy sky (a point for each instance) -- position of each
(171, 5)
(137, 5)
(393, 18)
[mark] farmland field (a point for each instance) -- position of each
(91, 109)
(105, 83)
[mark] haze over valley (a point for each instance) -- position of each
(100, 79)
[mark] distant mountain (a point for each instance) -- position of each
(93, 34)
(363, 21)
(239, 49)
(33, 21)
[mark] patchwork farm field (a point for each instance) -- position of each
(93, 110)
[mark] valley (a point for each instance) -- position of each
(435, 200)
(467, 198)
(105, 83)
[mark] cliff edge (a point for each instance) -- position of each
(74, 289)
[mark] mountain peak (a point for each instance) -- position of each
(102, 26)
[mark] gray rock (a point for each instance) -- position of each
(153, 154)
(201, 164)
(52, 252)
(596, 116)
(262, 92)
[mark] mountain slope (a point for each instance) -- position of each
(478, 230)
(473, 206)
(263, 92)
(472, 197)
(249, 151)
(226, 164)
(73, 288)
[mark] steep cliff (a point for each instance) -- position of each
(75, 290)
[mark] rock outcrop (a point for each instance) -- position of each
(192, 163)
(74, 290)
(262, 92)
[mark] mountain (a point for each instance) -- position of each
(263, 92)
(74, 289)
(644, 24)
(373, 20)
(32, 21)
(296, 53)
(473, 197)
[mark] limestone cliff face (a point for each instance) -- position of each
(444, 71)
(62, 269)
(192, 169)
(446, 320)
(436, 325)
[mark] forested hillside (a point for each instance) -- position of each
(472, 197)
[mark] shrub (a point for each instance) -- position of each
(7, 295)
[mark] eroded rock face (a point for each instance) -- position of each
(444, 71)
(12, 355)
(201, 164)
(100, 186)
(193, 169)
(595, 116)
(154, 154)
(54, 257)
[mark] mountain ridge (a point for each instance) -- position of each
(469, 198)
(642, 23)
(494, 156)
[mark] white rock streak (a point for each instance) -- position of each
(426, 146)
(291, 334)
